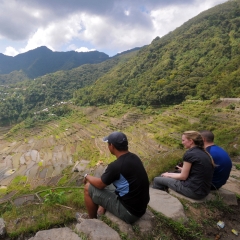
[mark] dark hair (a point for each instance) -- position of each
(208, 135)
(120, 148)
(198, 141)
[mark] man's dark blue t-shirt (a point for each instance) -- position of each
(223, 165)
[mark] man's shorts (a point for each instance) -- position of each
(109, 200)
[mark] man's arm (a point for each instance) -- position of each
(95, 181)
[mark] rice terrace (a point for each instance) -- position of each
(47, 154)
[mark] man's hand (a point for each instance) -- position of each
(84, 181)
(85, 178)
(95, 181)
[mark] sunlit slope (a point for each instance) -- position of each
(43, 152)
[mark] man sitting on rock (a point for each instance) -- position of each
(223, 163)
(127, 175)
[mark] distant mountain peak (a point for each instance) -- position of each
(42, 60)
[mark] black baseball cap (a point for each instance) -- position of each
(118, 139)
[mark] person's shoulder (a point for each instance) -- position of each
(113, 163)
(193, 152)
(128, 154)
(216, 148)
(133, 155)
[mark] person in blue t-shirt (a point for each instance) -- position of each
(223, 163)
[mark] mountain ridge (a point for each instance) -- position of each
(198, 61)
(40, 61)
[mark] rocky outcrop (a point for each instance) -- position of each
(97, 230)
(228, 197)
(56, 234)
(166, 204)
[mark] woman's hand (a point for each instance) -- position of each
(179, 168)
(183, 175)
(166, 174)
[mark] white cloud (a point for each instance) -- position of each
(84, 49)
(111, 25)
(126, 12)
(169, 18)
(105, 33)
(10, 51)
(55, 34)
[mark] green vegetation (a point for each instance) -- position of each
(58, 208)
(190, 230)
(28, 98)
(237, 166)
(153, 95)
(19, 184)
(154, 134)
(199, 60)
(53, 197)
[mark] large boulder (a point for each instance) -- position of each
(144, 224)
(56, 234)
(95, 229)
(166, 204)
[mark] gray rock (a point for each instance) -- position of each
(81, 166)
(56, 234)
(166, 204)
(232, 185)
(123, 226)
(95, 229)
(2, 228)
(178, 195)
(145, 223)
(228, 197)
(235, 172)
(100, 169)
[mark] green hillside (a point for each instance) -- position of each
(17, 101)
(55, 122)
(199, 60)
(154, 134)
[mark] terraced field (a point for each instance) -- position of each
(42, 153)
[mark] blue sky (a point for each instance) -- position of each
(109, 26)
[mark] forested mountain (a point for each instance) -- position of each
(17, 101)
(200, 60)
(13, 77)
(42, 60)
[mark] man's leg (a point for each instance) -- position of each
(101, 210)
(90, 205)
(109, 201)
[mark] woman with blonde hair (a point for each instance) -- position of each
(194, 179)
